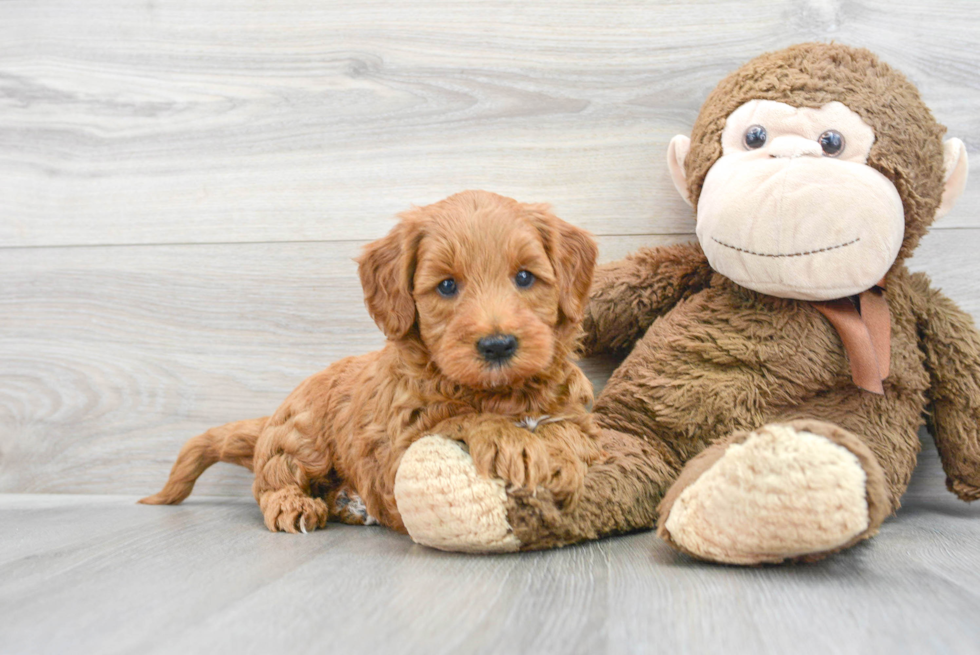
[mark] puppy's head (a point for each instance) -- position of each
(493, 288)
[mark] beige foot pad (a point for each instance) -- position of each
(446, 504)
(779, 494)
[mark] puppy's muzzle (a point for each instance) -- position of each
(497, 348)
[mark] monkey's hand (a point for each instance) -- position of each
(952, 347)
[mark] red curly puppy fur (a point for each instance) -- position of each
(481, 298)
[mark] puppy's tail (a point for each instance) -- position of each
(232, 442)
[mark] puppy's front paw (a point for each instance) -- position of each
(502, 450)
(290, 510)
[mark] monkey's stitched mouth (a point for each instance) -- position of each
(791, 254)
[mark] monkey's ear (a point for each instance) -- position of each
(386, 268)
(957, 166)
(677, 151)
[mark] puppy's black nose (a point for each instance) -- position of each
(497, 348)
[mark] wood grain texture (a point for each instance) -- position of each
(240, 121)
(96, 574)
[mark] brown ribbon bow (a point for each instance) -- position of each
(864, 325)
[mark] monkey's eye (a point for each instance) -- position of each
(755, 137)
(832, 143)
(447, 288)
(524, 279)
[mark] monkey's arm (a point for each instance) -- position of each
(629, 294)
(952, 347)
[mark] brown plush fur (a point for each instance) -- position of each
(711, 359)
(346, 428)
(620, 494)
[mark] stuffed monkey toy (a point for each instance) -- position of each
(780, 368)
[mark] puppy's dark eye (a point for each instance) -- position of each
(524, 279)
(755, 137)
(832, 143)
(447, 288)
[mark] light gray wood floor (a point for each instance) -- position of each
(183, 184)
(99, 574)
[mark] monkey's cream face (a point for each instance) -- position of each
(792, 209)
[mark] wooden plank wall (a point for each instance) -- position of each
(183, 183)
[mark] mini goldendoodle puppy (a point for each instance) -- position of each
(480, 297)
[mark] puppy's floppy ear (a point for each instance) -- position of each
(573, 253)
(386, 268)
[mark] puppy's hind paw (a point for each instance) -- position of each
(290, 510)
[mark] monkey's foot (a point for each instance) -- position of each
(446, 504)
(798, 490)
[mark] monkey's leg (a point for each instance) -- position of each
(795, 488)
(446, 504)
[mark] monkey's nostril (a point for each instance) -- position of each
(497, 348)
